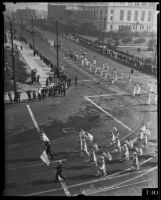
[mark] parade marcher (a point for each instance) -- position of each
(19, 96)
(135, 162)
(134, 90)
(84, 148)
(125, 153)
(50, 79)
(93, 158)
(130, 79)
(149, 98)
(95, 146)
(59, 169)
(107, 155)
(38, 78)
(155, 98)
(138, 90)
(118, 145)
(130, 143)
(80, 143)
(101, 167)
(10, 97)
(116, 132)
(47, 143)
(112, 138)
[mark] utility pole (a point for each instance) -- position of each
(13, 63)
(33, 39)
(21, 27)
(57, 46)
(104, 30)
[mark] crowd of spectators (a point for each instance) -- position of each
(124, 58)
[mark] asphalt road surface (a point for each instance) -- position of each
(82, 107)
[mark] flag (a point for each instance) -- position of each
(87, 135)
(45, 138)
(45, 158)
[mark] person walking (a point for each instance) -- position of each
(59, 169)
(10, 97)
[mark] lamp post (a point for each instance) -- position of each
(33, 37)
(13, 64)
(57, 46)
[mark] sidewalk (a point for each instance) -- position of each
(33, 62)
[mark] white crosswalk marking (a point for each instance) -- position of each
(64, 186)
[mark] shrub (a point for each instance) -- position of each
(127, 40)
(140, 41)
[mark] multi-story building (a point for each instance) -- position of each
(25, 15)
(108, 16)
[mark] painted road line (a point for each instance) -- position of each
(87, 182)
(64, 186)
(108, 114)
(117, 187)
(83, 81)
(113, 186)
(105, 95)
(34, 165)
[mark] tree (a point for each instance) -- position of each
(125, 30)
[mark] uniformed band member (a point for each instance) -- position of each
(112, 138)
(80, 142)
(93, 158)
(47, 144)
(107, 155)
(125, 153)
(84, 148)
(101, 167)
(135, 162)
(118, 144)
(59, 171)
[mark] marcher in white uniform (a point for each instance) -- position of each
(118, 144)
(138, 89)
(102, 167)
(145, 140)
(95, 146)
(84, 148)
(134, 90)
(125, 152)
(107, 155)
(80, 142)
(93, 158)
(149, 98)
(112, 138)
(135, 162)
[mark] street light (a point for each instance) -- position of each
(13, 64)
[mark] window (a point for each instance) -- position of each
(143, 4)
(122, 3)
(112, 11)
(121, 14)
(111, 17)
(149, 16)
(142, 15)
(136, 4)
(128, 15)
(100, 14)
(129, 4)
(136, 15)
(111, 27)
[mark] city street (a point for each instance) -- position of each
(95, 105)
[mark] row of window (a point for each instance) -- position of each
(94, 15)
(135, 15)
(142, 27)
(138, 4)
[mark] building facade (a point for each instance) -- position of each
(109, 16)
(25, 15)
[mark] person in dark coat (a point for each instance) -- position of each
(10, 97)
(59, 169)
